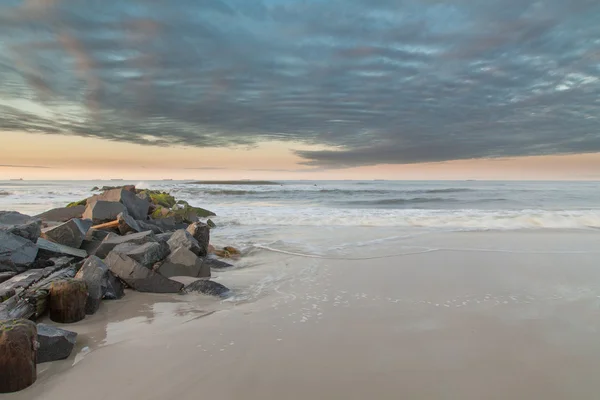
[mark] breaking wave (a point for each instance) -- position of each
(438, 219)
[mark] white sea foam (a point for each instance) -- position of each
(443, 219)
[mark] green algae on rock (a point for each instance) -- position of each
(78, 203)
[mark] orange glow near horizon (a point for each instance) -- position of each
(73, 157)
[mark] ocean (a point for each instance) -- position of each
(318, 217)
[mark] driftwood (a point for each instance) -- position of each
(67, 300)
(32, 300)
(107, 225)
(18, 346)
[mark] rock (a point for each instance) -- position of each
(136, 207)
(94, 272)
(213, 263)
(48, 248)
(127, 224)
(8, 266)
(211, 249)
(164, 237)
(183, 238)
(18, 368)
(232, 250)
(201, 232)
(182, 262)
(208, 287)
(70, 233)
(98, 234)
(139, 277)
(54, 343)
(211, 224)
(110, 242)
(16, 250)
(78, 203)
(146, 254)
(62, 214)
(115, 289)
(149, 226)
(20, 224)
(103, 211)
(4, 276)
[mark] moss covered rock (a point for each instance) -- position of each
(78, 203)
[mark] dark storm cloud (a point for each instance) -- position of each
(378, 81)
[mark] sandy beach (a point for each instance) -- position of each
(491, 315)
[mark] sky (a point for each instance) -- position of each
(300, 89)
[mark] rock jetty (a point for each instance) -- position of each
(67, 261)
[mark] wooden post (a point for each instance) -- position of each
(106, 225)
(67, 300)
(18, 347)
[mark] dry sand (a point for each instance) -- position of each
(485, 316)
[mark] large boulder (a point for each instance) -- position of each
(164, 237)
(94, 272)
(183, 238)
(115, 289)
(201, 232)
(16, 250)
(127, 224)
(146, 254)
(54, 343)
(208, 287)
(62, 214)
(51, 249)
(20, 225)
(149, 226)
(182, 262)
(4, 276)
(70, 233)
(110, 242)
(137, 208)
(103, 211)
(139, 277)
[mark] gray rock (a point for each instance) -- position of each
(146, 254)
(48, 248)
(98, 234)
(213, 263)
(167, 224)
(183, 238)
(103, 211)
(94, 272)
(20, 225)
(62, 214)
(139, 277)
(137, 208)
(201, 232)
(110, 242)
(115, 289)
(211, 223)
(4, 276)
(54, 343)
(127, 224)
(182, 262)
(70, 233)
(94, 239)
(164, 237)
(150, 226)
(15, 250)
(208, 287)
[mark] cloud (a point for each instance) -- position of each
(21, 166)
(373, 81)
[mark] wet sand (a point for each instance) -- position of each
(458, 316)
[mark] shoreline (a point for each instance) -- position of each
(446, 324)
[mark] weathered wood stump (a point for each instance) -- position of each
(18, 346)
(67, 300)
